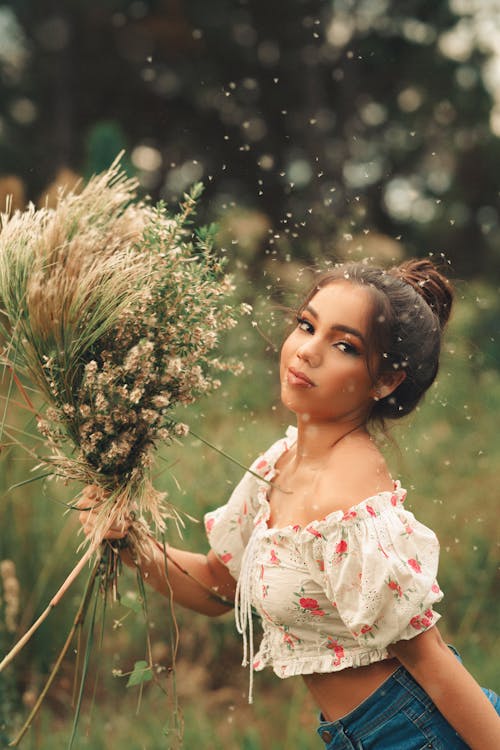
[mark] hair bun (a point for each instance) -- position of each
(428, 281)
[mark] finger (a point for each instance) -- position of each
(91, 496)
(114, 532)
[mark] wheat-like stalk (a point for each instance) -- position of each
(113, 310)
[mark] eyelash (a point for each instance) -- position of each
(305, 325)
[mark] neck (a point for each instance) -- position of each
(315, 441)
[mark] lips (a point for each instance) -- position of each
(295, 377)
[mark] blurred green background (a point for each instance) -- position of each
(322, 131)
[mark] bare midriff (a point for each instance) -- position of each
(338, 693)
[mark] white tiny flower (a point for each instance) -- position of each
(181, 429)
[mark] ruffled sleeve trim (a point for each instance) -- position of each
(380, 573)
(230, 526)
(372, 507)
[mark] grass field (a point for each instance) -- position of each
(447, 455)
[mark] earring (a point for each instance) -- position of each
(376, 396)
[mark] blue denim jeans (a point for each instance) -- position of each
(399, 715)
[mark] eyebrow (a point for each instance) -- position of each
(338, 326)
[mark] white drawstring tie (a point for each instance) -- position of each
(243, 606)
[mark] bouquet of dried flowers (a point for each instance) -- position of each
(113, 310)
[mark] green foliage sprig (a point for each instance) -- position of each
(113, 309)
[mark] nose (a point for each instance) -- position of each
(309, 353)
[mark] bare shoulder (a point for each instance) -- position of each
(358, 471)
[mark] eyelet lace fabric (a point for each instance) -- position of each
(333, 594)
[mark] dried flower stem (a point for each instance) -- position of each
(212, 593)
(79, 617)
(235, 461)
(53, 603)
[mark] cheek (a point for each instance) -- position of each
(352, 386)
(357, 384)
(286, 351)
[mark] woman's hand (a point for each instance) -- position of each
(196, 581)
(89, 504)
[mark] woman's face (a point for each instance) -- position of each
(324, 370)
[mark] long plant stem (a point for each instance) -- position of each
(53, 603)
(22, 391)
(210, 591)
(83, 677)
(178, 726)
(79, 617)
(235, 461)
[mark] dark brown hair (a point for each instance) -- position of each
(411, 306)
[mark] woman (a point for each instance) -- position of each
(342, 576)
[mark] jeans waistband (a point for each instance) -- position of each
(389, 698)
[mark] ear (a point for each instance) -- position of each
(387, 383)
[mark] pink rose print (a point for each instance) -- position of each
(321, 565)
(366, 630)
(427, 618)
(370, 510)
(341, 548)
(209, 524)
(296, 527)
(425, 621)
(394, 499)
(382, 550)
(394, 586)
(262, 464)
(245, 509)
(349, 514)
(414, 564)
(338, 650)
(310, 605)
(435, 588)
(273, 558)
(314, 532)
(226, 557)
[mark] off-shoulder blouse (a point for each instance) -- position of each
(333, 594)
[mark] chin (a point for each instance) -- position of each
(288, 401)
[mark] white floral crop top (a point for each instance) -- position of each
(333, 594)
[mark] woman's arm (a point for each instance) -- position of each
(454, 691)
(196, 581)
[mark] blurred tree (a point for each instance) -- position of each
(337, 120)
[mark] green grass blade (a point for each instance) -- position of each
(85, 667)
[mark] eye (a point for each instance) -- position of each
(346, 347)
(304, 325)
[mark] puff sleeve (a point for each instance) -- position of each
(380, 573)
(230, 526)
